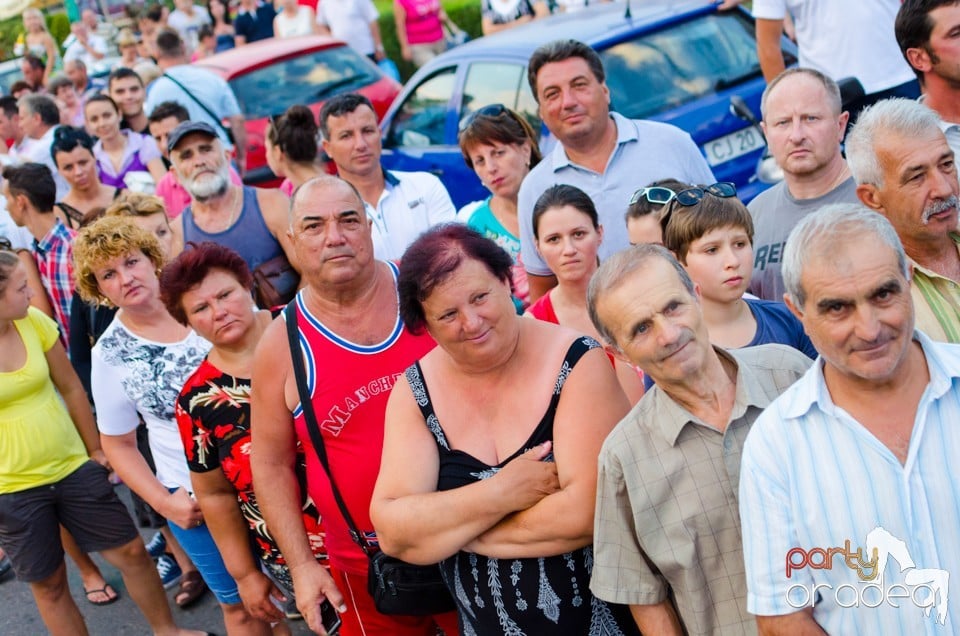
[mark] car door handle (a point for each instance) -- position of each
(437, 172)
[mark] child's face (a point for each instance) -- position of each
(721, 262)
(644, 229)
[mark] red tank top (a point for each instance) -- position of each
(349, 384)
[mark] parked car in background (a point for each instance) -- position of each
(10, 72)
(271, 75)
(677, 61)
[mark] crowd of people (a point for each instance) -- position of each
(610, 398)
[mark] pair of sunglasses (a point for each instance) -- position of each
(692, 196)
(492, 111)
(657, 195)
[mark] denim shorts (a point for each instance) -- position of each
(200, 547)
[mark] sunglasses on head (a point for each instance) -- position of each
(657, 195)
(492, 111)
(693, 196)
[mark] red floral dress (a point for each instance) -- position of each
(213, 415)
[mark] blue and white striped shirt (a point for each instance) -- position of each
(813, 477)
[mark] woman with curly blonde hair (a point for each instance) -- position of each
(138, 367)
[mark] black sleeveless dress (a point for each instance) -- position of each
(529, 596)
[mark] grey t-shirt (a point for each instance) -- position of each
(775, 213)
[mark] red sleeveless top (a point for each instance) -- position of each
(350, 384)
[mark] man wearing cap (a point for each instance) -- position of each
(251, 221)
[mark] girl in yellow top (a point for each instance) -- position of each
(53, 472)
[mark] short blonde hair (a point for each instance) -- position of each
(105, 239)
(137, 204)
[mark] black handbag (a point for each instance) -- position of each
(397, 587)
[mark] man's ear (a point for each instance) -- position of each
(796, 311)
(919, 59)
(869, 195)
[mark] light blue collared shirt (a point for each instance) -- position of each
(813, 477)
(646, 151)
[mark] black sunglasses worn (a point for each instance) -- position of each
(692, 196)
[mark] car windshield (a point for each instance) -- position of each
(666, 69)
(311, 77)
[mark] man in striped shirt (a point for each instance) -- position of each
(31, 192)
(905, 169)
(848, 485)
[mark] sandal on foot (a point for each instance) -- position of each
(191, 589)
(106, 590)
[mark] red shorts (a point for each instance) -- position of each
(363, 619)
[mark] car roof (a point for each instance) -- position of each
(262, 52)
(601, 23)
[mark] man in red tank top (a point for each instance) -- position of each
(354, 348)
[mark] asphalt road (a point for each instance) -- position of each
(19, 616)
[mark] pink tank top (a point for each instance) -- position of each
(423, 21)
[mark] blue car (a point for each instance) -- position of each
(676, 61)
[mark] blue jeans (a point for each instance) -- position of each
(200, 547)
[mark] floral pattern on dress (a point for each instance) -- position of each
(213, 415)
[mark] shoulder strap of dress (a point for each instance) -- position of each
(418, 387)
(576, 351)
(72, 213)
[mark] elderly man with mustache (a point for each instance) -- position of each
(667, 536)
(906, 171)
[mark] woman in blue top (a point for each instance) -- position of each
(501, 147)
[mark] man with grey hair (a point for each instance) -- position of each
(804, 122)
(251, 221)
(39, 120)
(666, 523)
(905, 170)
(857, 461)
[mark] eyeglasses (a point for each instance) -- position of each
(693, 196)
(657, 195)
(491, 110)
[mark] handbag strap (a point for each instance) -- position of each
(310, 419)
(205, 108)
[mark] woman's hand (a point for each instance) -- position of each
(101, 458)
(255, 592)
(528, 479)
(181, 509)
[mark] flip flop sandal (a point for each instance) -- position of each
(191, 589)
(106, 589)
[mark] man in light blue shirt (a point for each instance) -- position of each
(190, 86)
(604, 154)
(849, 493)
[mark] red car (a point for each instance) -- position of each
(271, 75)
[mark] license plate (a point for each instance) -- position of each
(723, 149)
